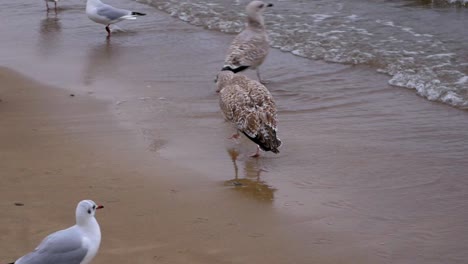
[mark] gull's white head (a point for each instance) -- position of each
(85, 210)
(255, 10)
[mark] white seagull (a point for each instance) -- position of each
(250, 47)
(251, 108)
(104, 14)
(75, 245)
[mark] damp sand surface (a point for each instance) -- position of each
(368, 173)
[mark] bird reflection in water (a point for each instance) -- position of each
(251, 184)
(101, 61)
(50, 32)
(55, 5)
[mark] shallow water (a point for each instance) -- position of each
(420, 45)
(367, 161)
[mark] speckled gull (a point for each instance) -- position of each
(250, 47)
(75, 245)
(104, 14)
(251, 108)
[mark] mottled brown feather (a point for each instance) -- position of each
(247, 49)
(250, 107)
(250, 47)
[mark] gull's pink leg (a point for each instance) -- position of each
(235, 136)
(256, 154)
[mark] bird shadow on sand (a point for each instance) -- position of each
(249, 183)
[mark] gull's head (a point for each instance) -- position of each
(86, 210)
(223, 78)
(256, 7)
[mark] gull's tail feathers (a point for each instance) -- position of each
(266, 139)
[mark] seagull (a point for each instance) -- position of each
(75, 245)
(55, 4)
(104, 14)
(251, 108)
(250, 47)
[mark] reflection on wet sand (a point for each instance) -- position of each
(50, 32)
(100, 61)
(48, 8)
(250, 185)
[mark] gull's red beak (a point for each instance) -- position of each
(99, 207)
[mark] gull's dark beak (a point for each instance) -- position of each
(269, 5)
(99, 207)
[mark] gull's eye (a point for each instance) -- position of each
(94, 207)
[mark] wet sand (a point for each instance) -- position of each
(368, 173)
(58, 149)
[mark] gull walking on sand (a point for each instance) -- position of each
(250, 47)
(104, 14)
(55, 4)
(251, 108)
(75, 245)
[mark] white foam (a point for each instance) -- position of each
(320, 17)
(410, 52)
(440, 65)
(462, 80)
(330, 33)
(353, 17)
(299, 53)
(440, 55)
(361, 31)
(415, 60)
(386, 23)
(407, 29)
(453, 99)
(458, 1)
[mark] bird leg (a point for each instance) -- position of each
(235, 136)
(55, 7)
(256, 154)
(260, 78)
(108, 31)
(47, 5)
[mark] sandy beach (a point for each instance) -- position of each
(368, 173)
(58, 148)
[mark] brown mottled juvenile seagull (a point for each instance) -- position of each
(251, 108)
(250, 47)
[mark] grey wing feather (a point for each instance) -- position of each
(112, 13)
(62, 247)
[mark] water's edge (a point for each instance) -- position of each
(339, 33)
